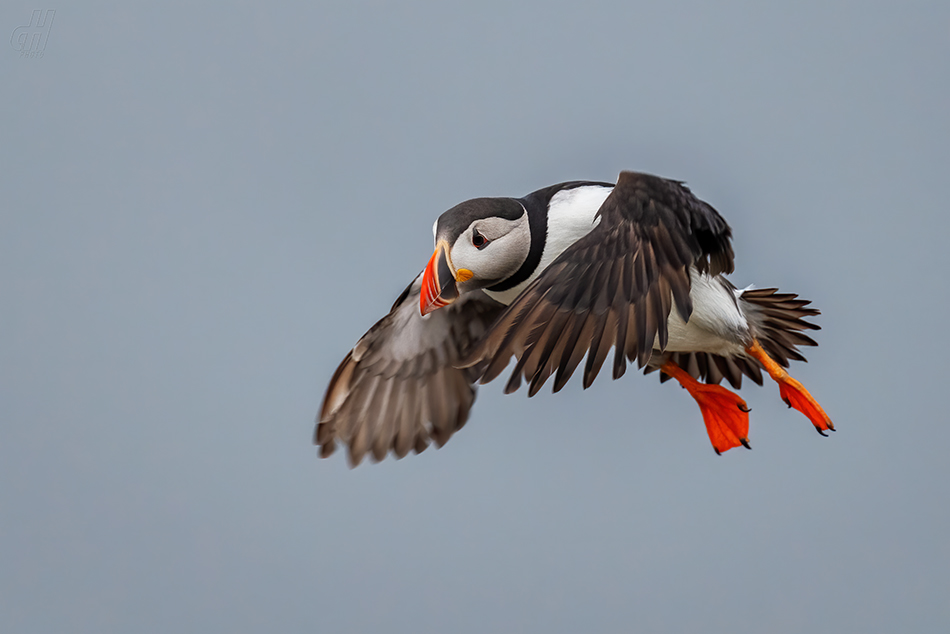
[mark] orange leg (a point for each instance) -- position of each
(793, 393)
(725, 413)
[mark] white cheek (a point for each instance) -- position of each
(464, 255)
(497, 261)
(485, 263)
(501, 257)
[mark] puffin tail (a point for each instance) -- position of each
(777, 321)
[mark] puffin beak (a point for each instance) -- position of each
(438, 281)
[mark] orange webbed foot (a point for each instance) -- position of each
(792, 391)
(725, 413)
(726, 416)
(795, 395)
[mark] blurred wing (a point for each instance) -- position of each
(398, 388)
(613, 287)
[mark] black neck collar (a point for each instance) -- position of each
(536, 205)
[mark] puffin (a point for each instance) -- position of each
(557, 278)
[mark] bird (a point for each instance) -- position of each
(563, 274)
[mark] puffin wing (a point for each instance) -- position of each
(613, 287)
(398, 388)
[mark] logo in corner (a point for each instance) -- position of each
(30, 39)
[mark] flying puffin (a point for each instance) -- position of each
(568, 271)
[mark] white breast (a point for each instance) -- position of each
(716, 325)
(571, 216)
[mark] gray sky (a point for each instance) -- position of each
(204, 208)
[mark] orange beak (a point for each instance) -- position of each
(438, 282)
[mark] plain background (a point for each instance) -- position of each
(204, 207)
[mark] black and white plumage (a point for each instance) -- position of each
(568, 271)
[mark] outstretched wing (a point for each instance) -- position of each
(613, 287)
(398, 388)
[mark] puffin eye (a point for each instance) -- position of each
(478, 240)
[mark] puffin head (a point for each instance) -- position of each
(478, 243)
